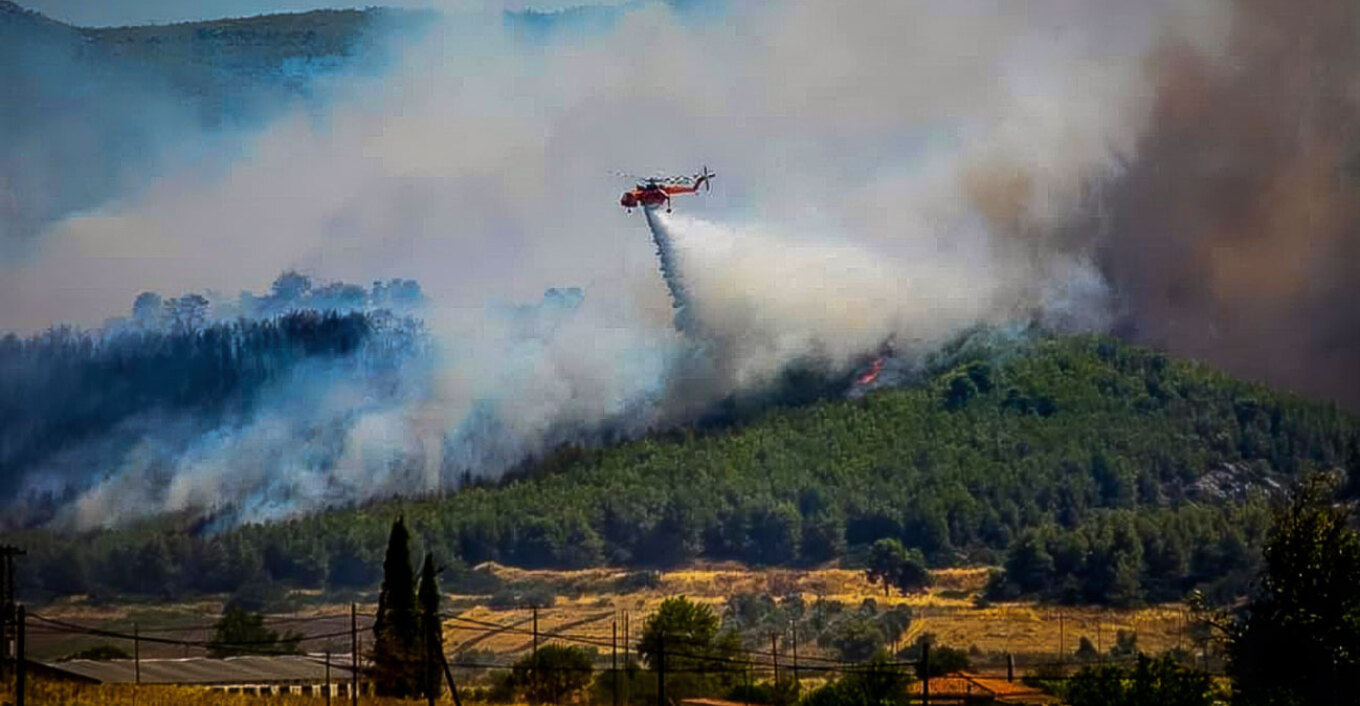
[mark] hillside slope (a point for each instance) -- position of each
(88, 114)
(1148, 475)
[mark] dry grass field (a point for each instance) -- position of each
(41, 692)
(1030, 631)
(588, 603)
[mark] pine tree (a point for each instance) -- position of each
(396, 644)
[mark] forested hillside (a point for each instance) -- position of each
(88, 113)
(1095, 471)
(226, 66)
(72, 401)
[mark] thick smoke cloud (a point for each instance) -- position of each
(899, 172)
(1234, 236)
(483, 157)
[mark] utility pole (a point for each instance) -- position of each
(627, 637)
(7, 602)
(1062, 647)
(1180, 628)
(448, 674)
(535, 677)
(660, 671)
(328, 677)
(925, 673)
(20, 669)
(4, 613)
(354, 653)
(429, 659)
(774, 655)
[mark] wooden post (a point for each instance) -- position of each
(774, 655)
(614, 659)
(794, 627)
(1010, 667)
(1180, 628)
(448, 674)
(925, 672)
(354, 653)
(627, 637)
(533, 676)
(328, 678)
(4, 615)
(20, 669)
(660, 672)
(8, 603)
(430, 621)
(1062, 647)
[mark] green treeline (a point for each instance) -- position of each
(1092, 470)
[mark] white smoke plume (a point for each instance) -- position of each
(889, 171)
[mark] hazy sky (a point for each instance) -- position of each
(132, 12)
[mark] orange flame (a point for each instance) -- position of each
(871, 374)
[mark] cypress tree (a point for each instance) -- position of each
(431, 629)
(396, 643)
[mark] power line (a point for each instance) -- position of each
(730, 662)
(72, 628)
(64, 627)
(604, 642)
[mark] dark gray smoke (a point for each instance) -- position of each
(1234, 236)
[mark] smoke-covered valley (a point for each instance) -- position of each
(891, 176)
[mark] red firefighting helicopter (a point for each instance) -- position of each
(651, 192)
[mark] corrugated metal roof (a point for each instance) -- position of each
(202, 670)
(963, 686)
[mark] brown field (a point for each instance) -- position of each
(588, 604)
(1030, 631)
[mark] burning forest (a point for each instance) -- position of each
(1178, 174)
